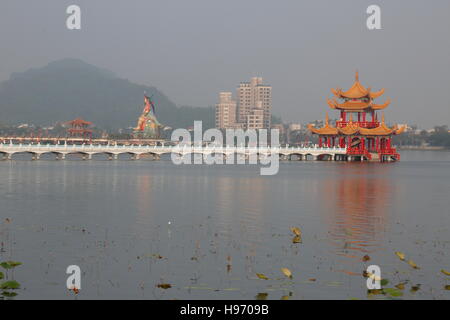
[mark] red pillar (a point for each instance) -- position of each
(320, 142)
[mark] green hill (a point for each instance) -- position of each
(70, 88)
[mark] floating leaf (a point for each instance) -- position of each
(262, 276)
(75, 290)
(296, 231)
(9, 294)
(372, 276)
(401, 255)
(6, 265)
(287, 272)
(366, 258)
(10, 264)
(415, 288)
(14, 263)
(1, 275)
(393, 292)
(261, 296)
(447, 287)
(297, 239)
(412, 264)
(384, 282)
(400, 286)
(164, 285)
(10, 285)
(286, 297)
(374, 291)
(443, 271)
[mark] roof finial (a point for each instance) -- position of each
(326, 118)
(382, 117)
(356, 75)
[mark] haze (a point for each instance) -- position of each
(193, 49)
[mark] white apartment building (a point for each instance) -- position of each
(254, 95)
(225, 111)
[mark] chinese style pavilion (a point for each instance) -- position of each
(358, 128)
(79, 128)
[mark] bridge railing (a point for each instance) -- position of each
(38, 146)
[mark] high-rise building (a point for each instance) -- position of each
(255, 119)
(254, 95)
(225, 111)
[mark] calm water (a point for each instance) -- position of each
(227, 223)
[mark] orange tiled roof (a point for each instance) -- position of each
(357, 105)
(353, 128)
(357, 91)
(326, 130)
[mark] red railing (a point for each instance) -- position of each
(362, 124)
(367, 152)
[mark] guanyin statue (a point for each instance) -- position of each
(148, 126)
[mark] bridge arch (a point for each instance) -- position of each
(325, 157)
(23, 155)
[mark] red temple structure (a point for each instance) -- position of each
(358, 128)
(79, 128)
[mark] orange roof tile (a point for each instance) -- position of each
(326, 130)
(357, 91)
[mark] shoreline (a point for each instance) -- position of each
(423, 148)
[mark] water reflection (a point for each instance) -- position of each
(357, 200)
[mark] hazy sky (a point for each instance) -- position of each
(192, 49)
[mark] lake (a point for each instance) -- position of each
(208, 230)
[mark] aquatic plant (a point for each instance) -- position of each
(7, 286)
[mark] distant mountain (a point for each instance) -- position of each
(70, 88)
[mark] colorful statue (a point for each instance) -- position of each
(148, 126)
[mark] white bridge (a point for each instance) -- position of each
(86, 151)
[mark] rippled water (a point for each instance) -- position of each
(227, 223)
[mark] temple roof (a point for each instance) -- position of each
(79, 122)
(357, 105)
(357, 91)
(326, 130)
(353, 128)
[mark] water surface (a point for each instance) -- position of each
(207, 230)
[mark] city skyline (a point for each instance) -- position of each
(304, 48)
(251, 110)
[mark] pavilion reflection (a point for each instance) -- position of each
(357, 201)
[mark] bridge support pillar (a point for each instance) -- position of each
(35, 156)
(60, 156)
